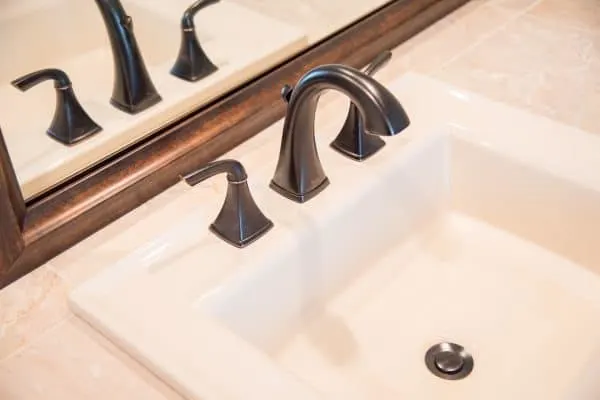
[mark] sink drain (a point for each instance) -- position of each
(449, 361)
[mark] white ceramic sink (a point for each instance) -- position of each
(70, 35)
(479, 225)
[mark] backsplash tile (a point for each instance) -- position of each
(448, 38)
(583, 14)
(532, 63)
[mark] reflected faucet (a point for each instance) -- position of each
(70, 123)
(133, 90)
(192, 63)
(299, 174)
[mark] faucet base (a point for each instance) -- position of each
(353, 141)
(300, 197)
(193, 73)
(371, 145)
(76, 139)
(241, 243)
(136, 108)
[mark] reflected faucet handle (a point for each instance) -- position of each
(187, 21)
(71, 123)
(286, 93)
(240, 221)
(192, 63)
(353, 141)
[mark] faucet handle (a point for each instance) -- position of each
(192, 63)
(378, 62)
(28, 81)
(240, 221)
(71, 123)
(286, 93)
(353, 141)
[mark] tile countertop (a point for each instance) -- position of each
(541, 55)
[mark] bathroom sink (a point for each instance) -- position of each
(478, 226)
(70, 35)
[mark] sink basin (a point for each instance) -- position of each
(70, 35)
(460, 230)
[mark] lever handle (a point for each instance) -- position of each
(234, 169)
(192, 63)
(378, 62)
(240, 221)
(353, 141)
(70, 123)
(26, 82)
(187, 21)
(286, 93)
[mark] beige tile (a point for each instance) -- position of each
(517, 5)
(446, 39)
(533, 64)
(71, 362)
(589, 118)
(590, 121)
(584, 14)
(29, 307)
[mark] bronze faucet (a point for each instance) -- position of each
(133, 90)
(299, 174)
(240, 221)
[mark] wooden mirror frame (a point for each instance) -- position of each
(35, 231)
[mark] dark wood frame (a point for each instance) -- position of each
(32, 233)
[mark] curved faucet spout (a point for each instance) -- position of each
(187, 21)
(133, 90)
(299, 174)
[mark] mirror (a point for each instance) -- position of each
(242, 38)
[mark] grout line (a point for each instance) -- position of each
(37, 339)
(134, 365)
(562, 24)
(64, 285)
(65, 282)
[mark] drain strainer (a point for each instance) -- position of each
(449, 361)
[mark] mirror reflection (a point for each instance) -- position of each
(123, 69)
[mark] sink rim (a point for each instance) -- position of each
(454, 109)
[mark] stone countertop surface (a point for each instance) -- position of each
(541, 55)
